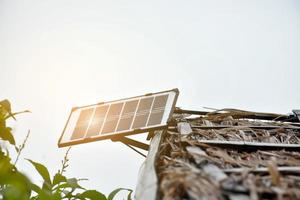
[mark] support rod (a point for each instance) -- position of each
(131, 142)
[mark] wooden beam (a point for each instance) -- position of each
(147, 184)
(251, 145)
(245, 127)
(263, 169)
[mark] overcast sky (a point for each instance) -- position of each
(55, 55)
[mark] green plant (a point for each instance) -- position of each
(16, 186)
(61, 187)
(13, 184)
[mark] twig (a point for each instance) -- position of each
(21, 147)
(64, 162)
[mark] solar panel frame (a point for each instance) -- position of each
(64, 139)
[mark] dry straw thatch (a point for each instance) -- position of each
(261, 166)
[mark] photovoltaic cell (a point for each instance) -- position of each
(142, 113)
(158, 110)
(97, 121)
(82, 123)
(112, 118)
(127, 115)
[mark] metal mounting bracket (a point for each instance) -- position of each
(132, 143)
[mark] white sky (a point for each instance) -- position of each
(58, 54)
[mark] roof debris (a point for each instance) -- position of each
(203, 158)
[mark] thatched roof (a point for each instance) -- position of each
(226, 154)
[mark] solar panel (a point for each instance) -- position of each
(119, 118)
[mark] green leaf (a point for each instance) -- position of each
(92, 195)
(2, 120)
(56, 196)
(14, 184)
(35, 188)
(114, 193)
(63, 186)
(6, 105)
(47, 195)
(42, 170)
(14, 193)
(47, 186)
(5, 134)
(73, 183)
(58, 178)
